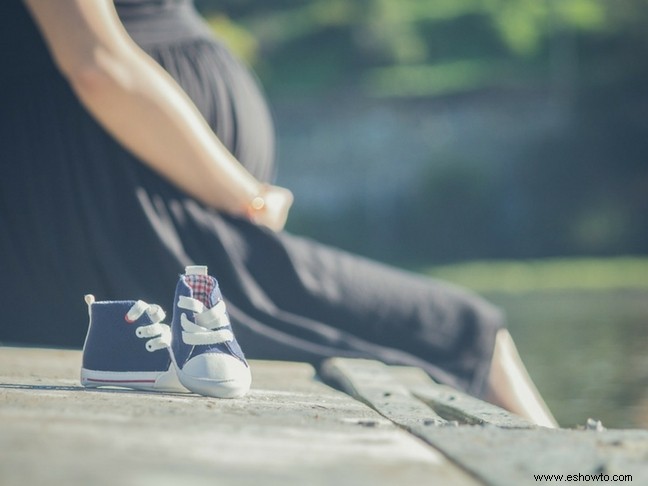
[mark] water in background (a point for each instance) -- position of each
(586, 351)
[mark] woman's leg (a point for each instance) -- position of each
(511, 387)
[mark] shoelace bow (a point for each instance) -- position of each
(157, 333)
(210, 326)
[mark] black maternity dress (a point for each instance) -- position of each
(79, 214)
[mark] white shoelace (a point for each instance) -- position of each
(210, 325)
(157, 333)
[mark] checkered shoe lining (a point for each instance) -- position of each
(202, 287)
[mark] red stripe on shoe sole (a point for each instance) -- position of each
(120, 381)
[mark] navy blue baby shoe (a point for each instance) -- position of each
(208, 359)
(127, 345)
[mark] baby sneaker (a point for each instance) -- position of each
(127, 345)
(209, 360)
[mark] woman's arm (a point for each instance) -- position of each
(144, 109)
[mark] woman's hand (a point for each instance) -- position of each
(271, 207)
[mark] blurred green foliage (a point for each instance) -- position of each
(357, 36)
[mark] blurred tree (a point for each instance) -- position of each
(408, 36)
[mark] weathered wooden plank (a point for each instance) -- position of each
(502, 456)
(453, 405)
(291, 429)
(370, 382)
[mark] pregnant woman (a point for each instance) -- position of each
(134, 144)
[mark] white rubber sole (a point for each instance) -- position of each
(216, 375)
(160, 381)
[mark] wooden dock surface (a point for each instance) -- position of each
(382, 426)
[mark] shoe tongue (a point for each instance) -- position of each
(196, 270)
